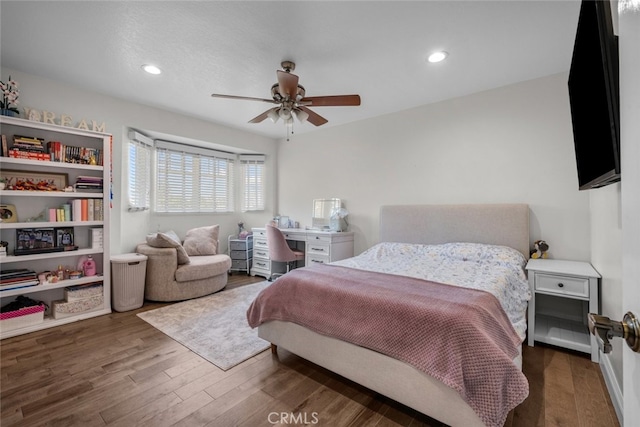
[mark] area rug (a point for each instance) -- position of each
(214, 326)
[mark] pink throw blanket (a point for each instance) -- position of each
(459, 336)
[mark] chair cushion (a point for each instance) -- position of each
(203, 267)
(202, 240)
(168, 239)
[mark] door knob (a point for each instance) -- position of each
(605, 329)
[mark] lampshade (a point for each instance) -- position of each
(301, 115)
(273, 115)
(284, 113)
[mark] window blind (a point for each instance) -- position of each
(192, 179)
(253, 186)
(139, 171)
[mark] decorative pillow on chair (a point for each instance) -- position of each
(202, 240)
(169, 239)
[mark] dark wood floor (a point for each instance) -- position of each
(117, 370)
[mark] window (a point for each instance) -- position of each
(253, 188)
(192, 179)
(139, 171)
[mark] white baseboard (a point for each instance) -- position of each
(612, 385)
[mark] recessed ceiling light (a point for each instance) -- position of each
(151, 69)
(437, 56)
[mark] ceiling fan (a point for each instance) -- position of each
(291, 100)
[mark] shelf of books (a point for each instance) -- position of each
(54, 223)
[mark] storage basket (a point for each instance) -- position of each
(128, 273)
(62, 309)
(27, 316)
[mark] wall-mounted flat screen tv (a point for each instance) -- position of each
(594, 97)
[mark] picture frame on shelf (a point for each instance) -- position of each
(34, 181)
(35, 241)
(8, 213)
(64, 236)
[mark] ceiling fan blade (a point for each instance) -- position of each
(287, 84)
(263, 116)
(217, 95)
(331, 101)
(314, 118)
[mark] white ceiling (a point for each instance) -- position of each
(376, 49)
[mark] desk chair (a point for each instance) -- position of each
(279, 250)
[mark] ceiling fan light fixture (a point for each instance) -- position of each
(284, 113)
(273, 115)
(301, 115)
(437, 56)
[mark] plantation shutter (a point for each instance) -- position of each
(253, 186)
(192, 179)
(139, 186)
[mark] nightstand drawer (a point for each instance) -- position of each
(563, 285)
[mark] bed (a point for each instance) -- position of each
(458, 229)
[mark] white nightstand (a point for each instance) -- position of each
(562, 294)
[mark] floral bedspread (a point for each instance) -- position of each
(498, 270)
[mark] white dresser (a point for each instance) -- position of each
(320, 247)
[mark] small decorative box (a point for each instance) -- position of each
(96, 237)
(62, 309)
(27, 316)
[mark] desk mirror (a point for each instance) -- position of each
(322, 209)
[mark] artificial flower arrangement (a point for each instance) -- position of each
(10, 95)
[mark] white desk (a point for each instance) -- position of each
(319, 247)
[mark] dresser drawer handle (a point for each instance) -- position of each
(561, 285)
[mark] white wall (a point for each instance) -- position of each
(128, 229)
(511, 144)
(606, 257)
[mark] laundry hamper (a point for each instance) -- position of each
(127, 276)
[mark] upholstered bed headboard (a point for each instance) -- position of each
(496, 224)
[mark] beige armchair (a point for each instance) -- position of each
(166, 280)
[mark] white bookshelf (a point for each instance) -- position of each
(30, 205)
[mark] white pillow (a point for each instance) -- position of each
(202, 240)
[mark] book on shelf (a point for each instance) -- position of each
(16, 272)
(89, 183)
(4, 146)
(69, 154)
(77, 210)
(89, 179)
(17, 278)
(28, 148)
(30, 155)
(20, 285)
(28, 142)
(88, 187)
